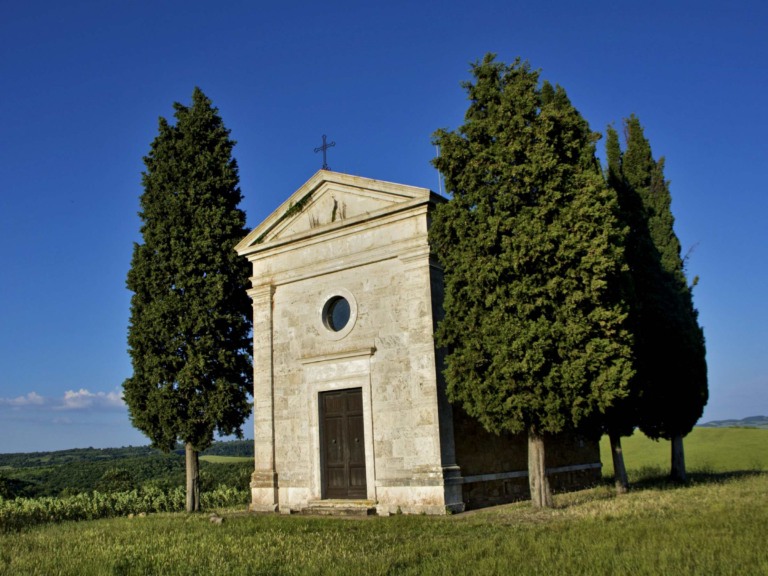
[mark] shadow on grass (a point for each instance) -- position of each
(655, 478)
(648, 478)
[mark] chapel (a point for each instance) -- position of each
(350, 409)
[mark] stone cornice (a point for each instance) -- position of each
(365, 352)
(323, 267)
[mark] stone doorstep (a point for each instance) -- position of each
(340, 508)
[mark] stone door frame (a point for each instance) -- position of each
(334, 372)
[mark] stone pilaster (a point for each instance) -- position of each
(264, 478)
(424, 288)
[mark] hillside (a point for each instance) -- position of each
(751, 422)
(67, 472)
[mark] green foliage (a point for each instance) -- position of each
(116, 480)
(531, 246)
(79, 455)
(12, 487)
(230, 448)
(190, 314)
(671, 384)
(622, 418)
(234, 474)
(71, 472)
(84, 476)
(25, 512)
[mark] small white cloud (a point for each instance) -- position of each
(31, 399)
(82, 399)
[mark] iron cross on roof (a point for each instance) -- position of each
(325, 147)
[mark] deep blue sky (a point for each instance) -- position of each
(83, 84)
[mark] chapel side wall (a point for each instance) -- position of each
(578, 460)
(494, 467)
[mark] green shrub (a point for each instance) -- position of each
(23, 512)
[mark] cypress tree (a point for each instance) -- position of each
(531, 247)
(622, 418)
(190, 315)
(671, 353)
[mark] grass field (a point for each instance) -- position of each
(715, 525)
(706, 450)
(226, 459)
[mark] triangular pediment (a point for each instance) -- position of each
(329, 200)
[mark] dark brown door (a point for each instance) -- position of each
(342, 445)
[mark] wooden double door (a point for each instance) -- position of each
(342, 444)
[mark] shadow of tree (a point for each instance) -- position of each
(654, 478)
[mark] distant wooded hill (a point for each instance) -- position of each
(25, 459)
(66, 472)
(751, 422)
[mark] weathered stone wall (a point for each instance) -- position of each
(494, 467)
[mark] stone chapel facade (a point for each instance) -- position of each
(349, 402)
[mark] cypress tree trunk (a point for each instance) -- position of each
(678, 459)
(541, 495)
(619, 471)
(193, 478)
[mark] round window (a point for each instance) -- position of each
(336, 313)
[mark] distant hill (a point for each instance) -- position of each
(231, 448)
(751, 422)
(26, 459)
(85, 469)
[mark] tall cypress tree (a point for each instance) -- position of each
(671, 354)
(190, 314)
(622, 418)
(531, 248)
